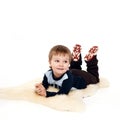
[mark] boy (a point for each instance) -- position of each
(65, 71)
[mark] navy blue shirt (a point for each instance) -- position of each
(65, 83)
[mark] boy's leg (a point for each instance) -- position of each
(92, 62)
(76, 58)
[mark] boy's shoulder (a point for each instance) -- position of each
(48, 71)
(69, 73)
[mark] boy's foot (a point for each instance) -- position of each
(92, 52)
(76, 52)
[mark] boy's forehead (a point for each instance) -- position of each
(61, 55)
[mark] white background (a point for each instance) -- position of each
(29, 28)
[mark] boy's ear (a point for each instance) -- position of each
(49, 61)
(49, 64)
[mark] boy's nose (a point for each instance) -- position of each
(61, 64)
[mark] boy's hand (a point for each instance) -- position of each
(40, 90)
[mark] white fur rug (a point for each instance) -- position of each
(72, 102)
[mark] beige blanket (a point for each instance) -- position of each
(72, 102)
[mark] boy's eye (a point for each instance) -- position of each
(66, 61)
(56, 60)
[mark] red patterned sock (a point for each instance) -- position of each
(92, 52)
(76, 52)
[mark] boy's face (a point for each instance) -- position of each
(59, 64)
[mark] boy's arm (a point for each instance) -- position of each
(65, 89)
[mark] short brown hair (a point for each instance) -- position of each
(60, 49)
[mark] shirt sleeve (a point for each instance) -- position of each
(45, 82)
